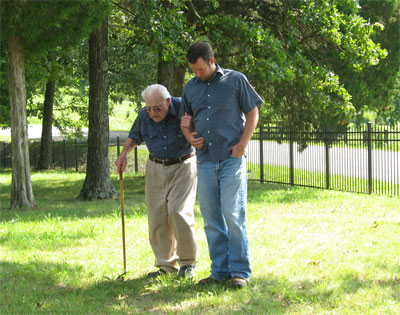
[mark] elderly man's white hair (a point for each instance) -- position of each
(156, 87)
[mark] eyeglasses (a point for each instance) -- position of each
(155, 109)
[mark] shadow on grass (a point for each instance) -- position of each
(351, 281)
(37, 286)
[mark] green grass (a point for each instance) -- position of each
(313, 252)
(280, 174)
(5, 139)
(123, 117)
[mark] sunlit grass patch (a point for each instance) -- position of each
(312, 252)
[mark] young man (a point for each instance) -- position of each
(170, 181)
(219, 115)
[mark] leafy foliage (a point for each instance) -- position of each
(373, 90)
(60, 23)
(292, 50)
(48, 30)
(314, 62)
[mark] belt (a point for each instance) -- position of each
(171, 161)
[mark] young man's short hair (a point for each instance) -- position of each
(199, 49)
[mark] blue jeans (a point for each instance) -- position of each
(223, 197)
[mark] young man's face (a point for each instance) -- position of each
(157, 107)
(202, 69)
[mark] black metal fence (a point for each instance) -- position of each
(72, 155)
(364, 159)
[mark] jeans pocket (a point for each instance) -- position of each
(235, 157)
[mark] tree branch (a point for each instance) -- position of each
(194, 10)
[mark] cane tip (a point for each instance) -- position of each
(121, 277)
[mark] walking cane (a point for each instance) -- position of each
(121, 187)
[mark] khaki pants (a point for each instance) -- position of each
(170, 198)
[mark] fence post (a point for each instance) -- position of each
(54, 159)
(117, 146)
(65, 162)
(327, 170)
(34, 153)
(386, 136)
(76, 156)
(136, 160)
(369, 142)
(261, 129)
(4, 154)
(291, 159)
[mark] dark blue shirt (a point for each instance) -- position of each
(218, 108)
(163, 139)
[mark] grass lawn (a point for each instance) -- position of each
(313, 252)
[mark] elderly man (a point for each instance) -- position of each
(171, 179)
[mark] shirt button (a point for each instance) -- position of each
(210, 143)
(165, 148)
(209, 107)
(165, 136)
(208, 94)
(208, 118)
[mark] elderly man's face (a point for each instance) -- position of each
(157, 107)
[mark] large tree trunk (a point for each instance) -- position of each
(47, 124)
(171, 76)
(21, 187)
(97, 183)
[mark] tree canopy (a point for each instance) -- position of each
(44, 27)
(45, 24)
(314, 62)
(292, 51)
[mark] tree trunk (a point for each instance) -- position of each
(97, 183)
(21, 187)
(171, 76)
(47, 124)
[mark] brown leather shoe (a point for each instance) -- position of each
(157, 273)
(238, 282)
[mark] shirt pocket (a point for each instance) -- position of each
(178, 141)
(151, 137)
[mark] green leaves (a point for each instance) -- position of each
(310, 60)
(61, 23)
(294, 52)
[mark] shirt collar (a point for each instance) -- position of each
(171, 110)
(219, 71)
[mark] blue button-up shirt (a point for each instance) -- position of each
(163, 139)
(218, 108)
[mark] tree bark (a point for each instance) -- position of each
(171, 76)
(21, 186)
(47, 124)
(97, 184)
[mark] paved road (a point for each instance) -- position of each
(343, 161)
